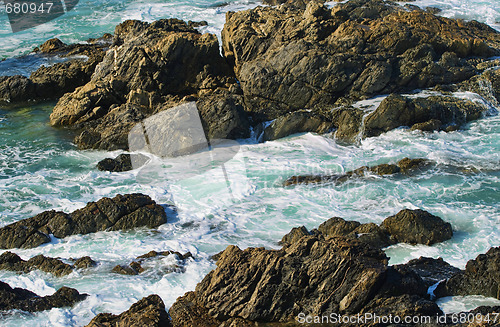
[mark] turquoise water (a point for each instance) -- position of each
(41, 169)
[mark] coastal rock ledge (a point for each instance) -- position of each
(119, 213)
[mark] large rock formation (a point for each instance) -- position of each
(147, 312)
(119, 213)
(151, 68)
(21, 299)
(288, 59)
(313, 275)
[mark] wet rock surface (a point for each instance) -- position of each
(417, 227)
(21, 299)
(119, 213)
(405, 166)
(289, 59)
(51, 82)
(135, 267)
(160, 65)
(148, 312)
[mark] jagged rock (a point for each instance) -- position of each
(119, 164)
(348, 121)
(290, 59)
(84, 263)
(11, 261)
(135, 267)
(147, 312)
(432, 270)
(119, 213)
(421, 113)
(296, 122)
(417, 227)
(314, 275)
(160, 65)
(294, 235)
(50, 82)
(405, 166)
(21, 299)
(481, 277)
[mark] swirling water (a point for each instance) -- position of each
(41, 169)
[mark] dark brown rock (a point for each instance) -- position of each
(21, 299)
(84, 263)
(177, 65)
(147, 312)
(296, 122)
(432, 270)
(119, 213)
(417, 227)
(288, 58)
(409, 166)
(396, 110)
(186, 312)
(481, 277)
(119, 164)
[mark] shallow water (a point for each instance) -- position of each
(41, 169)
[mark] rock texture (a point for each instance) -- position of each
(313, 275)
(428, 113)
(417, 227)
(405, 166)
(481, 277)
(147, 312)
(135, 267)
(119, 213)
(407, 226)
(11, 261)
(290, 59)
(51, 82)
(21, 299)
(151, 68)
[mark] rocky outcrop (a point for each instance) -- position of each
(21, 299)
(313, 275)
(147, 312)
(119, 213)
(432, 270)
(11, 261)
(425, 113)
(481, 277)
(405, 166)
(135, 267)
(290, 59)
(296, 122)
(51, 82)
(417, 227)
(151, 68)
(407, 226)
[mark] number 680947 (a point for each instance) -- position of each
(28, 8)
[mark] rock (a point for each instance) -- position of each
(428, 126)
(186, 312)
(119, 213)
(288, 58)
(147, 312)
(176, 64)
(348, 121)
(417, 227)
(337, 227)
(51, 82)
(295, 234)
(409, 166)
(296, 122)
(119, 164)
(21, 299)
(84, 263)
(432, 270)
(11, 261)
(135, 267)
(396, 110)
(481, 277)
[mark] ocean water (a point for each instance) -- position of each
(242, 202)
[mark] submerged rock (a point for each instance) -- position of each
(119, 213)
(417, 227)
(11, 261)
(432, 270)
(135, 267)
(147, 312)
(405, 166)
(21, 299)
